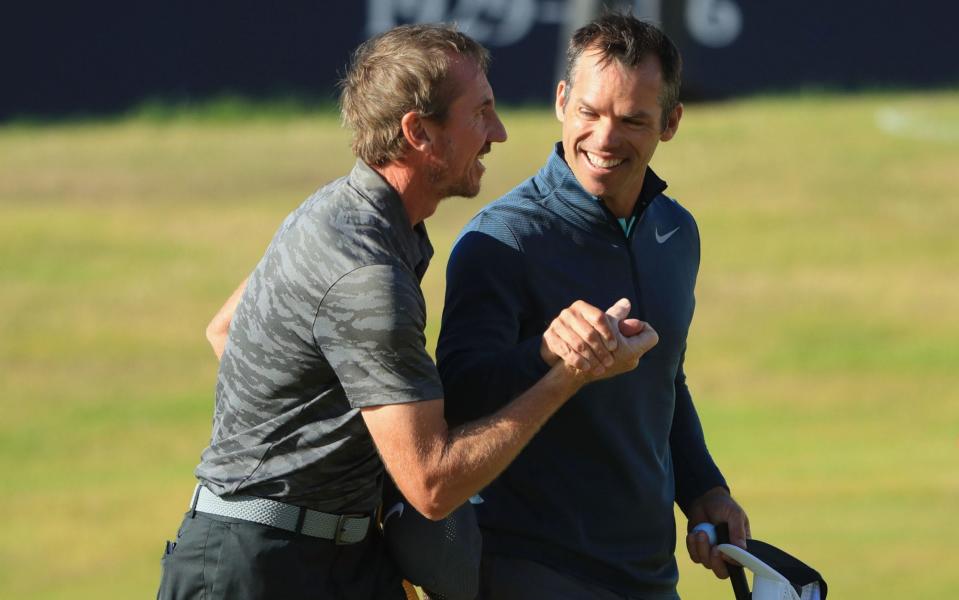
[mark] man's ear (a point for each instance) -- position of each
(415, 131)
(672, 123)
(561, 101)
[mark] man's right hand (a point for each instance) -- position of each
(635, 338)
(597, 343)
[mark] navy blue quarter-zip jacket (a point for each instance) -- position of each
(592, 494)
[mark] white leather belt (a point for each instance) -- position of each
(342, 529)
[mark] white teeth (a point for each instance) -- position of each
(605, 164)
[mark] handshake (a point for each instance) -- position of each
(596, 344)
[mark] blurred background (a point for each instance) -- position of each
(83, 58)
(148, 151)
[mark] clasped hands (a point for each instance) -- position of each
(596, 343)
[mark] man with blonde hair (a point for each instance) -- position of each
(324, 376)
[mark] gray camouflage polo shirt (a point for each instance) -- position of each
(332, 320)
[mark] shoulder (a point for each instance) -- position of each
(334, 232)
(509, 218)
(367, 285)
(373, 302)
(341, 213)
(670, 209)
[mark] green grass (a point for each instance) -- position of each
(822, 357)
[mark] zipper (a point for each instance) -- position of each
(640, 312)
(637, 309)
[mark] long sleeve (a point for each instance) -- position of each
(485, 355)
(694, 470)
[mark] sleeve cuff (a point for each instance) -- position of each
(709, 478)
(531, 360)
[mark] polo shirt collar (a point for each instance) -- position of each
(413, 242)
(578, 205)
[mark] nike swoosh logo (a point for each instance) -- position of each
(661, 239)
(397, 509)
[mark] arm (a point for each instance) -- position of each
(693, 467)
(442, 468)
(437, 468)
(701, 490)
(369, 327)
(219, 327)
(484, 356)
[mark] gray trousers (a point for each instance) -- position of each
(218, 557)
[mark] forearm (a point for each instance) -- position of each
(694, 470)
(438, 468)
(477, 452)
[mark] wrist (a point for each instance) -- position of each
(709, 494)
(548, 356)
(716, 491)
(570, 379)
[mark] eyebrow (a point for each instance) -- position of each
(586, 105)
(642, 114)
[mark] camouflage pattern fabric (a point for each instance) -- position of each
(332, 320)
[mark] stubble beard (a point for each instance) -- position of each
(444, 185)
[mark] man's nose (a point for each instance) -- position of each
(606, 133)
(497, 131)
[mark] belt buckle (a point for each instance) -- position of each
(341, 529)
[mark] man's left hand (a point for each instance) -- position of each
(715, 506)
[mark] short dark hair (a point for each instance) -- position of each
(629, 41)
(404, 69)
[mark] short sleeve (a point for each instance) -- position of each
(370, 327)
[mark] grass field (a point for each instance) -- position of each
(823, 357)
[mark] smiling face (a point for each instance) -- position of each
(466, 134)
(612, 123)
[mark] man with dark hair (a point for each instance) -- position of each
(324, 376)
(586, 510)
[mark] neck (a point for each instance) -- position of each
(621, 209)
(414, 191)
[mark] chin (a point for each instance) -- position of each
(594, 188)
(469, 189)
(465, 191)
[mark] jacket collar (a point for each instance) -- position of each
(413, 242)
(575, 204)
